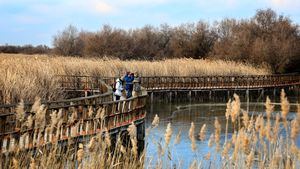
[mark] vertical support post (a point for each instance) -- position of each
(170, 97)
(190, 96)
(228, 94)
(210, 95)
(151, 95)
(247, 97)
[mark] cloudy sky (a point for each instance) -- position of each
(36, 21)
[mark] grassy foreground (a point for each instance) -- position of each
(256, 142)
(27, 76)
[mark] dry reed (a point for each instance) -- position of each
(27, 76)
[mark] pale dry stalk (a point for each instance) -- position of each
(202, 133)
(285, 107)
(192, 137)
(168, 134)
(155, 121)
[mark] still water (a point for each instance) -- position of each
(181, 115)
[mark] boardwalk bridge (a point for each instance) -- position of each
(96, 111)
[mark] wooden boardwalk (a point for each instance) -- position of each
(96, 112)
(77, 117)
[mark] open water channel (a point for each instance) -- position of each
(181, 114)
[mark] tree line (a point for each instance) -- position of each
(265, 39)
(27, 49)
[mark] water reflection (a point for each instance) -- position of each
(181, 115)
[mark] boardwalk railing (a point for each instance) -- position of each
(77, 117)
(219, 82)
(67, 119)
(159, 83)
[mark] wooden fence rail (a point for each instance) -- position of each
(74, 117)
(93, 114)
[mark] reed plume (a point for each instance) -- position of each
(294, 129)
(29, 121)
(226, 149)
(90, 112)
(285, 107)
(191, 130)
(193, 165)
(250, 158)
(168, 134)
(192, 136)
(207, 156)
(211, 140)
(80, 155)
(92, 144)
(202, 133)
(36, 105)
(20, 113)
(236, 107)
(132, 131)
(245, 119)
(107, 138)
(177, 139)
(217, 133)
(155, 121)
(269, 107)
(227, 115)
(40, 120)
(228, 109)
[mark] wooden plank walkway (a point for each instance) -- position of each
(75, 117)
(93, 114)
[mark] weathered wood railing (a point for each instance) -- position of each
(74, 118)
(90, 115)
(215, 82)
(219, 82)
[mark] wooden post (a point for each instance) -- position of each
(247, 97)
(190, 96)
(151, 97)
(170, 97)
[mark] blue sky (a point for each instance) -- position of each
(36, 21)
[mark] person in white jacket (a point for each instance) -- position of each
(119, 88)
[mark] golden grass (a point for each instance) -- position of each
(248, 147)
(28, 76)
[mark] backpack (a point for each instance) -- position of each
(113, 86)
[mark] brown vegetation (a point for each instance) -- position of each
(27, 76)
(264, 39)
(255, 143)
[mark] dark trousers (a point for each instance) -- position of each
(118, 97)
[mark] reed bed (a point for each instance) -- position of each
(27, 76)
(256, 142)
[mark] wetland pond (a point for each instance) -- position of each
(181, 114)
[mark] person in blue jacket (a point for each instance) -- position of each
(129, 77)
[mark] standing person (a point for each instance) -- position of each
(119, 88)
(129, 77)
(136, 87)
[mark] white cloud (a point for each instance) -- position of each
(102, 7)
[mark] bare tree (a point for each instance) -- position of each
(68, 42)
